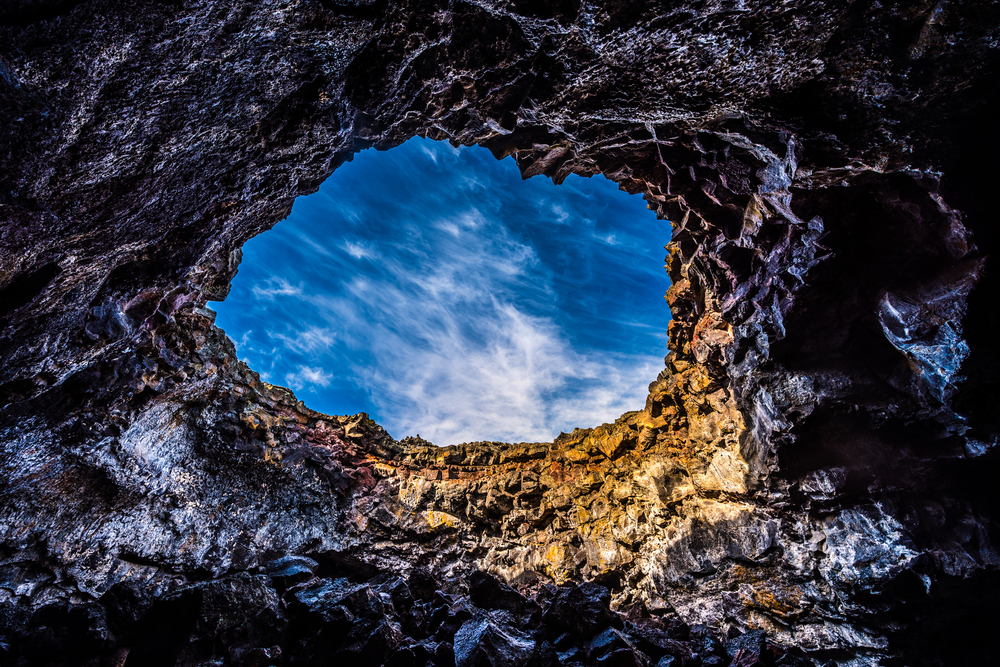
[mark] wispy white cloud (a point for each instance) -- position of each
(455, 315)
(445, 351)
(559, 214)
(525, 383)
(438, 151)
(336, 208)
(450, 227)
(275, 287)
(359, 250)
(307, 377)
(313, 245)
(430, 151)
(312, 339)
(473, 183)
(244, 341)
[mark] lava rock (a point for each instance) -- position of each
(421, 583)
(750, 650)
(370, 646)
(324, 600)
(254, 656)
(165, 629)
(488, 592)
(653, 639)
(454, 618)
(623, 657)
(581, 610)
(58, 634)
(290, 570)
(606, 642)
(493, 640)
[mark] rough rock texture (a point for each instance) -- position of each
(814, 463)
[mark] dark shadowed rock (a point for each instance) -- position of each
(60, 634)
(581, 610)
(370, 644)
(325, 599)
(165, 630)
(234, 614)
(606, 642)
(255, 656)
(750, 650)
(493, 640)
(290, 570)
(653, 637)
(422, 584)
(623, 657)
(488, 592)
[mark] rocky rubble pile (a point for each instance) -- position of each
(295, 611)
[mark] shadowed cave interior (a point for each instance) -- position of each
(808, 482)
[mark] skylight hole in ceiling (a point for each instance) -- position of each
(432, 288)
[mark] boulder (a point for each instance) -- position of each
(290, 570)
(493, 640)
(371, 646)
(582, 610)
(750, 650)
(255, 656)
(655, 641)
(488, 592)
(623, 657)
(606, 642)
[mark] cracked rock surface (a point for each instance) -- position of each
(810, 480)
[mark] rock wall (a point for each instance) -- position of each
(814, 461)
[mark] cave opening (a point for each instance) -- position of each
(433, 288)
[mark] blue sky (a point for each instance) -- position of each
(432, 288)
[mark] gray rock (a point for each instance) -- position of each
(492, 641)
(608, 641)
(290, 570)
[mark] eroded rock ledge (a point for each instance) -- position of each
(815, 461)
